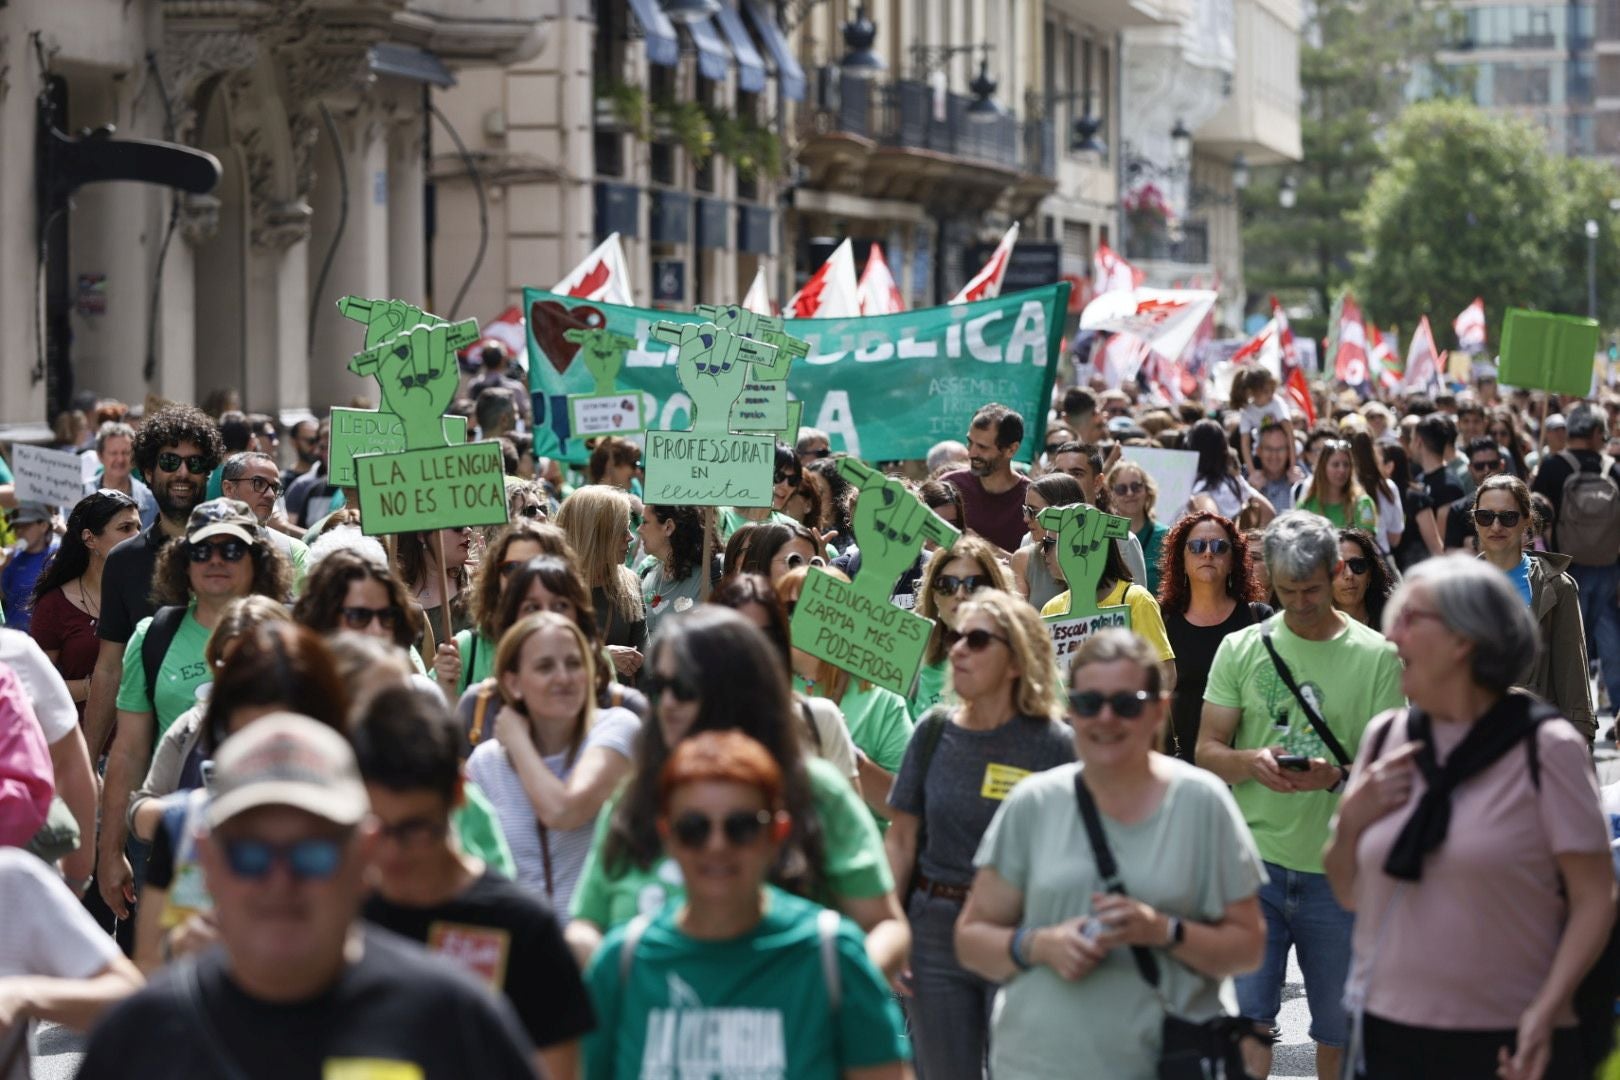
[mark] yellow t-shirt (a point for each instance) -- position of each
(1145, 617)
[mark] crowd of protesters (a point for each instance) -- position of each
(562, 797)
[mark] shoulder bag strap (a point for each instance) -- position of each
(160, 634)
(1108, 870)
(627, 948)
(827, 931)
(1323, 732)
(810, 720)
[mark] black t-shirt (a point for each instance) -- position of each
(394, 1005)
(1441, 487)
(1459, 523)
(504, 936)
(126, 584)
(1554, 472)
(1195, 651)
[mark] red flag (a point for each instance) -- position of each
(1295, 386)
(1382, 359)
(1422, 359)
(831, 292)
(986, 284)
(600, 276)
(1110, 272)
(1350, 361)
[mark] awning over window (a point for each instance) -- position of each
(750, 67)
(662, 47)
(714, 59)
(409, 62)
(788, 72)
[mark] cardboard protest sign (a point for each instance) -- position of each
(429, 484)
(53, 477)
(1548, 352)
(710, 465)
(883, 387)
(1173, 473)
(606, 410)
(854, 626)
(1083, 535)
(367, 431)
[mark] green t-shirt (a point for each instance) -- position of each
(730, 519)
(856, 865)
(1351, 678)
(477, 658)
(182, 671)
(879, 723)
(1192, 857)
(1366, 514)
(933, 687)
(756, 1006)
(479, 831)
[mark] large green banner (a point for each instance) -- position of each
(884, 388)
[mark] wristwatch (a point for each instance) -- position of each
(1344, 778)
(1178, 931)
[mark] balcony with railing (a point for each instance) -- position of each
(1187, 246)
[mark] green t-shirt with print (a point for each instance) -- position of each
(856, 865)
(756, 1006)
(182, 671)
(879, 723)
(1350, 678)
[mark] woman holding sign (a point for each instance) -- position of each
(957, 771)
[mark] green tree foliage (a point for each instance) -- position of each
(1472, 204)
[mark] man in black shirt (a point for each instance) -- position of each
(175, 449)
(1485, 460)
(426, 889)
(1436, 446)
(299, 987)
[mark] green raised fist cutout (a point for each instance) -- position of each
(417, 376)
(712, 365)
(603, 352)
(890, 525)
(1082, 534)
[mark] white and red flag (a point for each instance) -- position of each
(1350, 357)
(831, 292)
(1382, 360)
(1164, 319)
(986, 284)
(1422, 359)
(1469, 326)
(601, 276)
(1111, 273)
(758, 299)
(878, 292)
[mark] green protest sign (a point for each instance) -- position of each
(1541, 351)
(854, 626)
(367, 431)
(441, 487)
(710, 465)
(606, 410)
(1083, 535)
(883, 387)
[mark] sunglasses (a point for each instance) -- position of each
(1030, 512)
(1209, 547)
(1129, 487)
(1048, 542)
(358, 618)
(787, 478)
(976, 640)
(951, 585)
(260, 485)
(414, 831)
(1485, 466)
(740, 828)
(823, 452)
(1358, 565)
(1126, 704)
(1487, 518)
(532, 511)
(308, 860)
(230, 550)
(195, 464)
(676, 687)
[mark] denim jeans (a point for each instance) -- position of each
(1600, 613)
(1300, 911)
(950, 1006)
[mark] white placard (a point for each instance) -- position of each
(53, 477)
(1173, 472)
(604, 414)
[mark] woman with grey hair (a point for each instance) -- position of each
(1475, 799)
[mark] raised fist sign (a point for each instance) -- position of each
(417, 377)
(712, 365)
(1082, 534)
(890, 525)
(603, 353)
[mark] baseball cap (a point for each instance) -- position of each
(1556, 420)
(30, 512)
(222, 517)
(285, 759)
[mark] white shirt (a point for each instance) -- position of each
(52, 702)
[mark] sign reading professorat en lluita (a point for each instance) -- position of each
(1084, 535)
(884, 388)
(367, 431)
(441, 488)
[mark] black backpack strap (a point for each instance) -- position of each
(1319, 725)
(1108, 870)
(810, 721)
(160, 635)
(927, 735)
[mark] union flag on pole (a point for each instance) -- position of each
(1350, 358)
(601, 276)
(878, 292)
(1111, 273)
(1469, 326)
(986, 284)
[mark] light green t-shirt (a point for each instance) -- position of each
(479, 831)
(182, 671)
(856, 865)
(879, 724)
(756, 1006)
(1365, 516)
(1351, 679)
(477, 658)
(1191, 858)
(730, 519)
(933, 687)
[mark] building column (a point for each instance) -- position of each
(407, 222)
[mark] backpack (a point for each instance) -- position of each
(155, 646)
(1588, 525)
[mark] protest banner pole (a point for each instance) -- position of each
(705, 583)
(1541, 451)
(444, 589)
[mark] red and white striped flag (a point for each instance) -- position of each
(831, 292)
(1111, 273)
(1469, 326)
(601, 276)
(878, 292)
(986, 284)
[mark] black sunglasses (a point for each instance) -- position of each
(1359, 565)
(358, 618)
(788, 477)
(740, 828)
(823, 452)
(1485, 466)
(1126, 704)
(977, 640)
(1213, 547)
(1129, 487)
(951, 585)
(676, 687)
(196, 464)
(532, 510)
(1487, 518)
(229, 550)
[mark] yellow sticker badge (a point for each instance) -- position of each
(370, 1069)
(1000, 779)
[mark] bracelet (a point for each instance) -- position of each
(1015, 948)
(79, 885)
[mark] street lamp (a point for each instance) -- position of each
(1240, 172)
(1180, 141)
(1288, 192)
(860, 62)
(983, 108)
(1591, 268)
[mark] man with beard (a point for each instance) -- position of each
(175, 449)
(992, 493)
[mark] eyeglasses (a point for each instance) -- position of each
(795, 560)
(1031, 511)
(1209, 547)
(1052, 448)
(787, 478)
(260, 485)
(676, 687)
(1487, 518)
(531, 511)
(951, 585)
(821, 453)
(1485, 466)
(232, 550)
(740, 828)
(1126, 704)
(358, 618)
(196, 464)
(976, 640)
(414, 831)
(308, 860)
(1129, 487)
(1358, 565)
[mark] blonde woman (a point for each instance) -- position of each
(596, 520)
(954, 576)
(957, 771)
(1335, 493)
(556, 757)
(1134, 496)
